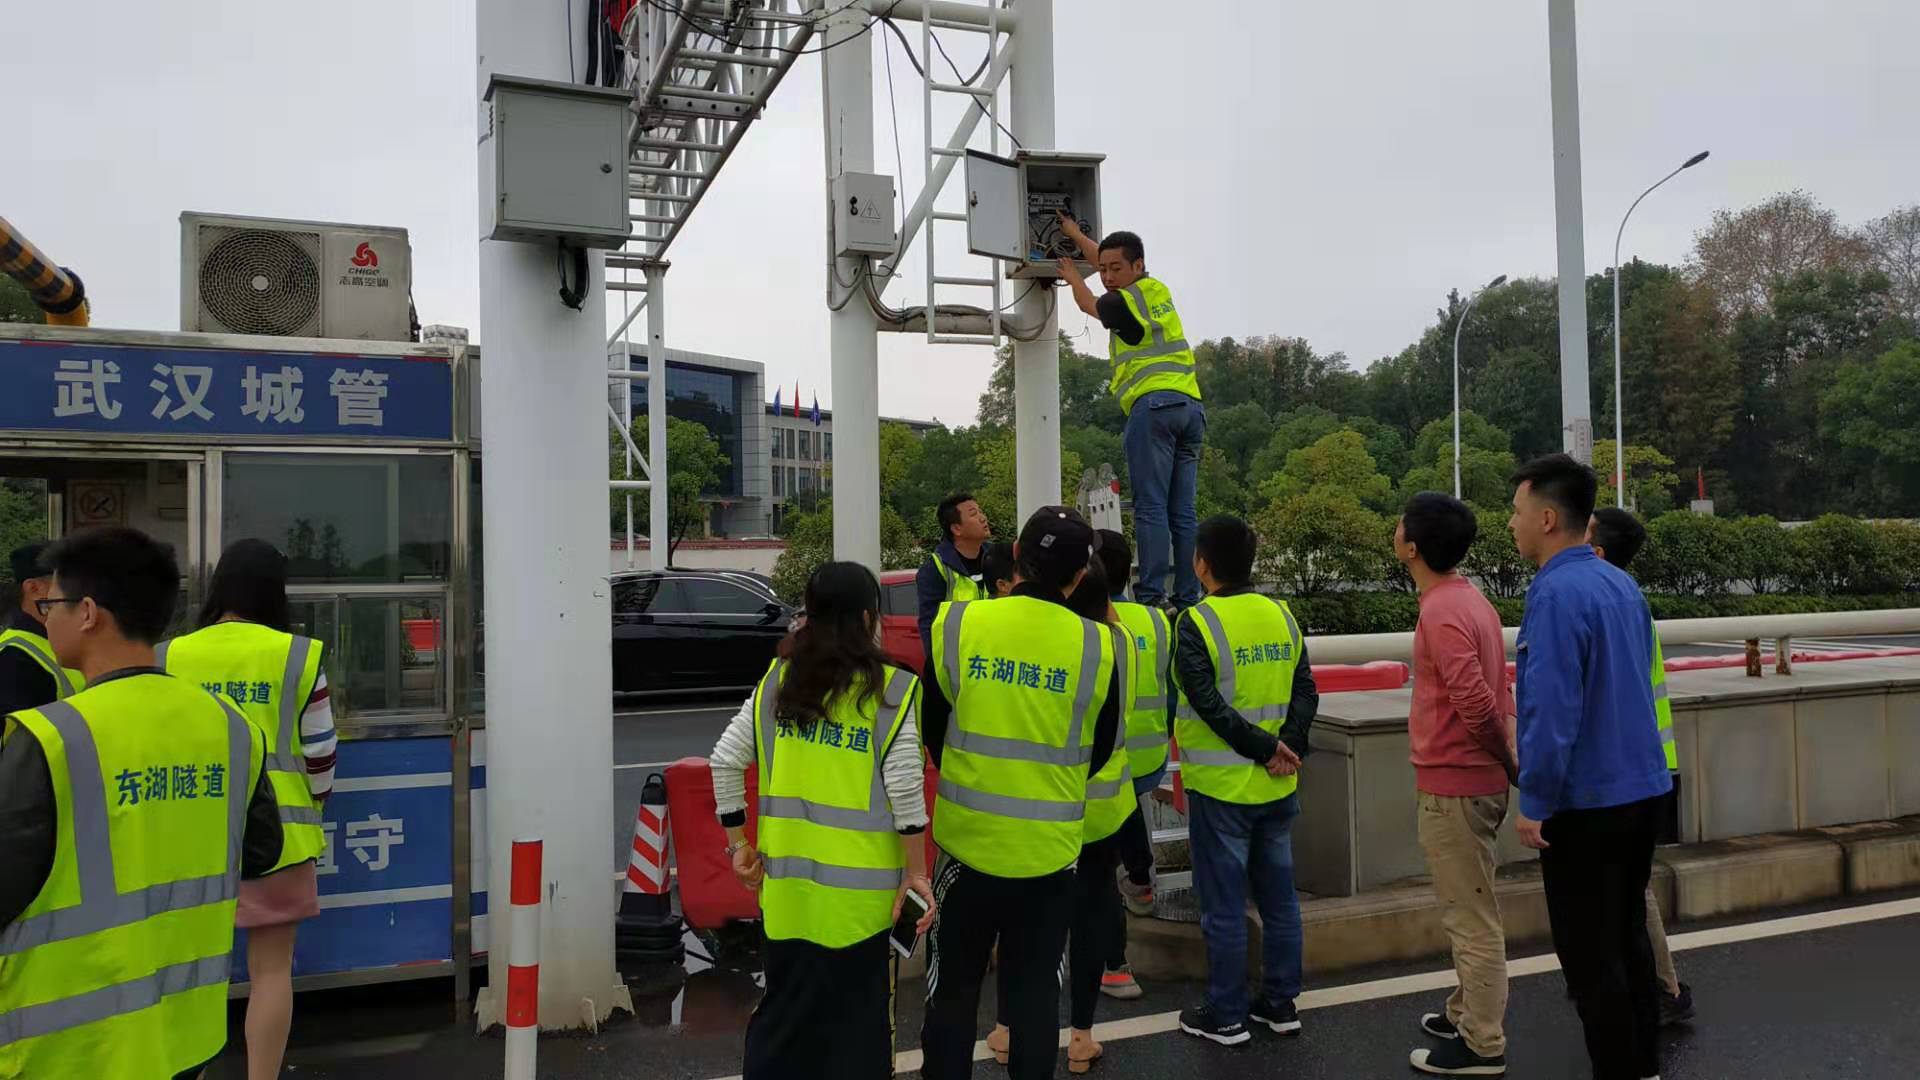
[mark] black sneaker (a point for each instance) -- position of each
(1454, 1059)
(1282, 1017)
(1438, 1026)
(1200, 1021)
(1676, 1008)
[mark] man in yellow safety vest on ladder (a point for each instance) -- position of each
(1154, 382)
(134, 808)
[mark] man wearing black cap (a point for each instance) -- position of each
(1024, 705)
(29, 675)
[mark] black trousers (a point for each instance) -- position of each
(1029, 917)
(827, 1013)
(1595, 869)
(1136, 854)
(1098, 922)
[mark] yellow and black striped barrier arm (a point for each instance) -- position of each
(57, 291)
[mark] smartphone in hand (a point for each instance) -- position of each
(905, 935)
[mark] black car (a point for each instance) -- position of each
(693, 630)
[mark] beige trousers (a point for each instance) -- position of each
(1662, 956)
(1457, 836)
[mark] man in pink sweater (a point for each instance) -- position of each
(1461, 728)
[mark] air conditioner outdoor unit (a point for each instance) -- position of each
(247, 275)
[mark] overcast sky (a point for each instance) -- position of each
(1315, 170)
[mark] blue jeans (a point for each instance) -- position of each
(1162, 442)
(1232, 845)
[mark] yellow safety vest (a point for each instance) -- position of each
(118, 968)
(1027, 679)
(1110, 797)
(959, 586)
(834, 860)
(1163, 360)
(270, 675)
(1663, 708)
(1152, 682)
(1255, 647)
(66, 681)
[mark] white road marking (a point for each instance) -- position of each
(1427, 982)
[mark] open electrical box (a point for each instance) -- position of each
(1013, 203)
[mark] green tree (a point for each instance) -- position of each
(810, 545)
(1493, 559)
(1650, 479)
(1320, 538)
(1094, 447)
(694, 464)
(1763, 553)
(947, 463)
(900, 451)
(1338, 463)
(16, 304)
(1240, 431)
(1872, 413)
(1218, 489)
(1084, 399)
(23, 512)
(1745, 254)
(998, 492)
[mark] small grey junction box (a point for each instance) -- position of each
(559, 162)
(863, 215)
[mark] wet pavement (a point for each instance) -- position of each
(1813, 1000)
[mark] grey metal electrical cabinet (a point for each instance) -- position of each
(1012, 205)
(559, 162)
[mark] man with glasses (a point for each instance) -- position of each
(140, 787)
(29, 675)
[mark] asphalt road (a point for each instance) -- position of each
(1826, 992)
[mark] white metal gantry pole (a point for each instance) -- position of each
(846, 77)
(1576, 410)
(1036, 363)
(659, 507)
(549, 674)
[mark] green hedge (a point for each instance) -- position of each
(1389, 612)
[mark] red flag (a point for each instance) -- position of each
(796, 399)
(1700, 479)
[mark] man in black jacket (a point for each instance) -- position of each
(26, 679)
(953, 571)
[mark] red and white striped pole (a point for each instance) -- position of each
(523, 961)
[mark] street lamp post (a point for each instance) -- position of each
(1619, 413)
(1494, 284)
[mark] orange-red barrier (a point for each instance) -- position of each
(1373, 675)
(710, 896)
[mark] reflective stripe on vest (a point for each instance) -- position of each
(1162, 360)
(1110, 798)
(1146, 725)
(959, 586)
(305, 840)
(97, 981)
(1012, 796)
(809, 845)
(1208, 765)
(1662, 707)
(66, 682)
(102, 905)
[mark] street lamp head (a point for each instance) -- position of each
(1497, 282)
(1695, 159)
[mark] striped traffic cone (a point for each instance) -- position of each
(647, 929)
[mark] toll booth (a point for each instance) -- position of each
(359, 460)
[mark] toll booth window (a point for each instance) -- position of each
(383, 654)
(344, 517)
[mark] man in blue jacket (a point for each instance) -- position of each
(1592, 773)
(953, 571)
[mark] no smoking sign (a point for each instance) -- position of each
(97, 504)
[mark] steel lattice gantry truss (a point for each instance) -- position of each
(700, 72)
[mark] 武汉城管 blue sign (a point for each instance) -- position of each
(48, 386)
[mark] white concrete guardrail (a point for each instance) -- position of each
(1360, 648)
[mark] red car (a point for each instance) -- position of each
(899, 619)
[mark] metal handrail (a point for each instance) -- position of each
(1359, 648)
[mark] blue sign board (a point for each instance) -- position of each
(49, 386)
(386, 875)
